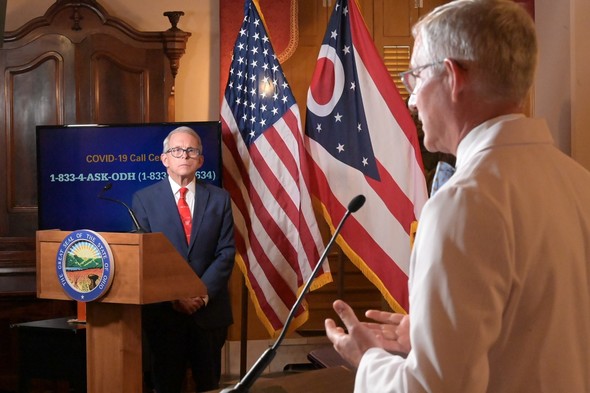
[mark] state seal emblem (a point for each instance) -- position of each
(85, 265)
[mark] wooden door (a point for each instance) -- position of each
(34, 92)
(116, 82)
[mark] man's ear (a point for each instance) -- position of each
(457, 77)
(164, 159)
(201, 160)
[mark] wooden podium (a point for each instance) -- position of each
(147, 270)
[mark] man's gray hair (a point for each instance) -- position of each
(182, 129)
(493, 39)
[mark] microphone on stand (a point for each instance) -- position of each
(252, 375)
(108, 186)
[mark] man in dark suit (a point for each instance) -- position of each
(189, 331)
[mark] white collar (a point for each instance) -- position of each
(176, 187)
(478, 135)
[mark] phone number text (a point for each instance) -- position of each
(120, 176)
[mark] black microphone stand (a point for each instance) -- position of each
(254, 373)
(138, 228)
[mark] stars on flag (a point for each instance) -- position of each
(256, 83)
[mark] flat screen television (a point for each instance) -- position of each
(75, 163)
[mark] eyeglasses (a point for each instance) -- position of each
(410, 77)
(178, 152)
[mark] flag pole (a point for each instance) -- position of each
(244, 330)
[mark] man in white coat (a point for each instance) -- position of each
(500, 270)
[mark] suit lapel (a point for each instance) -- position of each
(169, 205)
(201, 199)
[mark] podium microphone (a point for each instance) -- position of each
(108, 186)
(252, 375)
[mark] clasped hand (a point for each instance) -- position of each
(188, 305)
(390, 331)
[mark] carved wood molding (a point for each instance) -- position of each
(76, 13)
(174, 41)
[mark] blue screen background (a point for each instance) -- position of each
(74, 163)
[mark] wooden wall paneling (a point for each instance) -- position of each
(367, 8)
(429, 5)
(33, 86)
(298, 69)
(393, 20)
(17, 265)
(74, 64)
(116, 79)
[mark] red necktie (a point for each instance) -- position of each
(185, 214)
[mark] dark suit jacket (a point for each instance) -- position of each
(211, 250)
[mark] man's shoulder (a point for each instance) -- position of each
(152, 187)
(213, 189)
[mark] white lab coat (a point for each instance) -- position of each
(499, 275)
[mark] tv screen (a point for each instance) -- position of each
(76, 163)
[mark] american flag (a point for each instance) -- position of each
(361, 139)
(277, 237)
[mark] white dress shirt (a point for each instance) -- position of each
(499, 274)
